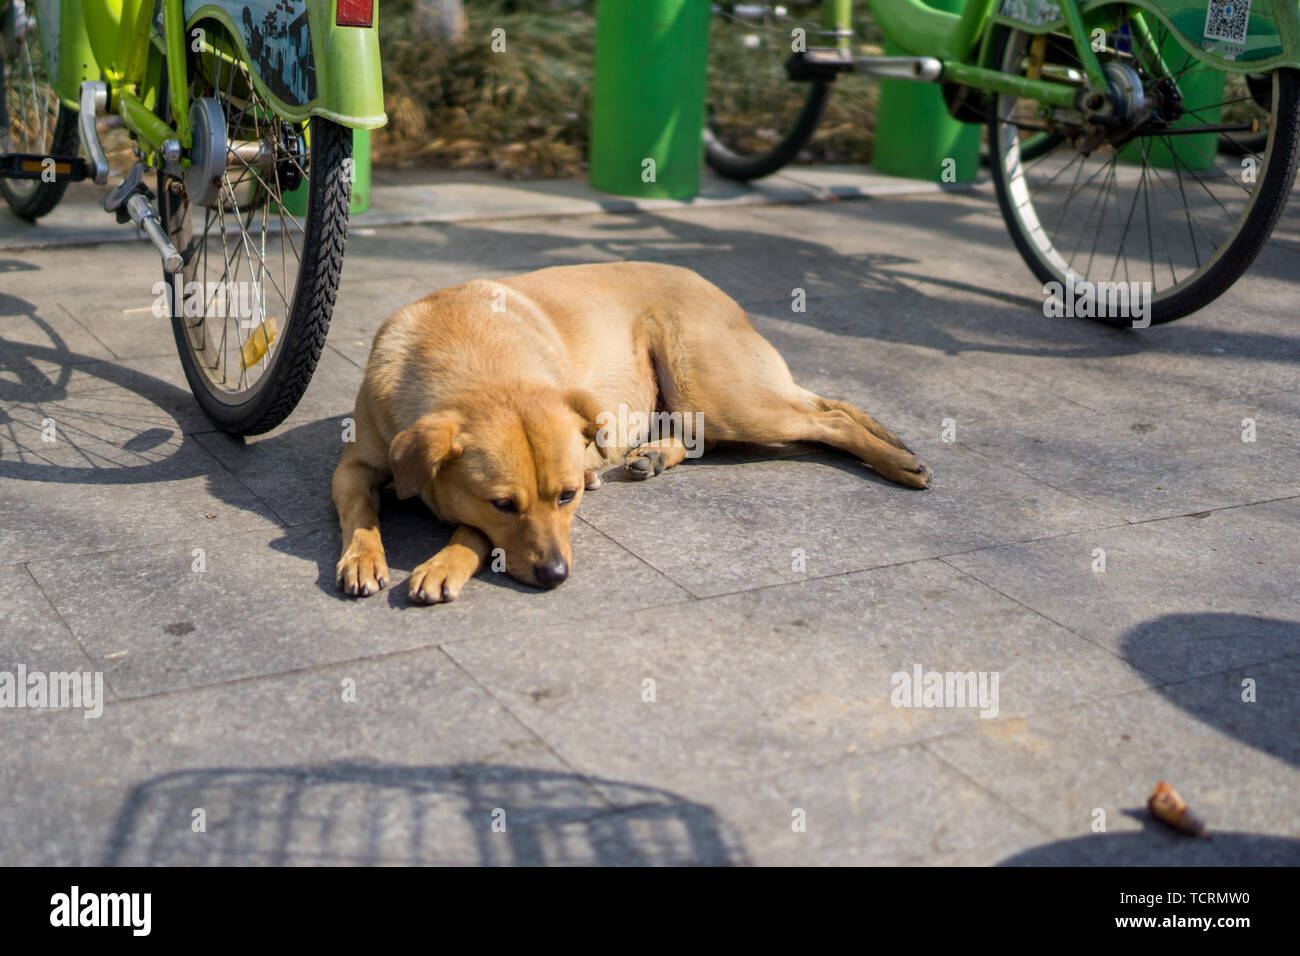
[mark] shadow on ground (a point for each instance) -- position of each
(352, 813)
(1268, 728)
(881, 296)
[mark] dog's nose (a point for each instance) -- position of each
(549, 575)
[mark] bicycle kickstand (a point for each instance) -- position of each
(131, 199)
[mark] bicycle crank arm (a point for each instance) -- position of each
(94, 100)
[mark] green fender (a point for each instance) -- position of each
(301, 61)
(1259, 36)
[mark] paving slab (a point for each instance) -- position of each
(414, 770)
(1187, 572)
(201, 608)
(823, 514)
(783, 678)
(1165, 462)
(903, 807)
(771, 594)
(1234, 762)
(916, 391)
(33, 636)
(163, 487)
(290, 467)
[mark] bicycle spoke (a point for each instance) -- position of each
(257, 250)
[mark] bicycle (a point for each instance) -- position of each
(1110, 161)
(244, 111)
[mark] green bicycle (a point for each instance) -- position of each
(1152, 143)
(244, 111)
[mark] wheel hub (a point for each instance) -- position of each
(1126, 89)
(207, 152)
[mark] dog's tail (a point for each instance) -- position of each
(863, 419)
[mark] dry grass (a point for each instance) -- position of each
(524, 113)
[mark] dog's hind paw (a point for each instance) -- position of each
(920, 477)
(644, 463)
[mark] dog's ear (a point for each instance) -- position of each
(589, 410)
(416, 454)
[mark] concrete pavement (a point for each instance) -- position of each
(718, 680)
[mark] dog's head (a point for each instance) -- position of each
(511, 465)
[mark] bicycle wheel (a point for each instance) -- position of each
(1132, 209)
(757, 119)
(36, 122)
(252, 306)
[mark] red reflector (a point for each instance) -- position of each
(355, 13)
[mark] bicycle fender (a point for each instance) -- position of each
(1236, 36)
(300, 60)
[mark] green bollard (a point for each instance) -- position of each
(1202, 90)
(915, 136)
(296, 202)
(647, 111)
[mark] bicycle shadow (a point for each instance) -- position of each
(1148, 647)
(367, 814)
(121, 446)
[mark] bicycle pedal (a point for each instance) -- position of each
(920, 69)
(50, 169)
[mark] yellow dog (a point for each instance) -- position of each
(496, 401)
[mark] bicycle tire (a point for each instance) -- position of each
(1229, 261)
(321, 267)
(282, 386)
(732, 165)
(41, 200)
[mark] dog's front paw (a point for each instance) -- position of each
(438, 580)
(361, 573)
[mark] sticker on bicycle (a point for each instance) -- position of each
(1226, 20)
(1035, 12)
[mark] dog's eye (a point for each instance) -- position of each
(505, 504)
(567, 496)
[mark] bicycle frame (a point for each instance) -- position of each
(332, 71)
(961, 42)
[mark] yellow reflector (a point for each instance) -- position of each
(38, 166)
(258, 344)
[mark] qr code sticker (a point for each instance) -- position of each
(1226, 20)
